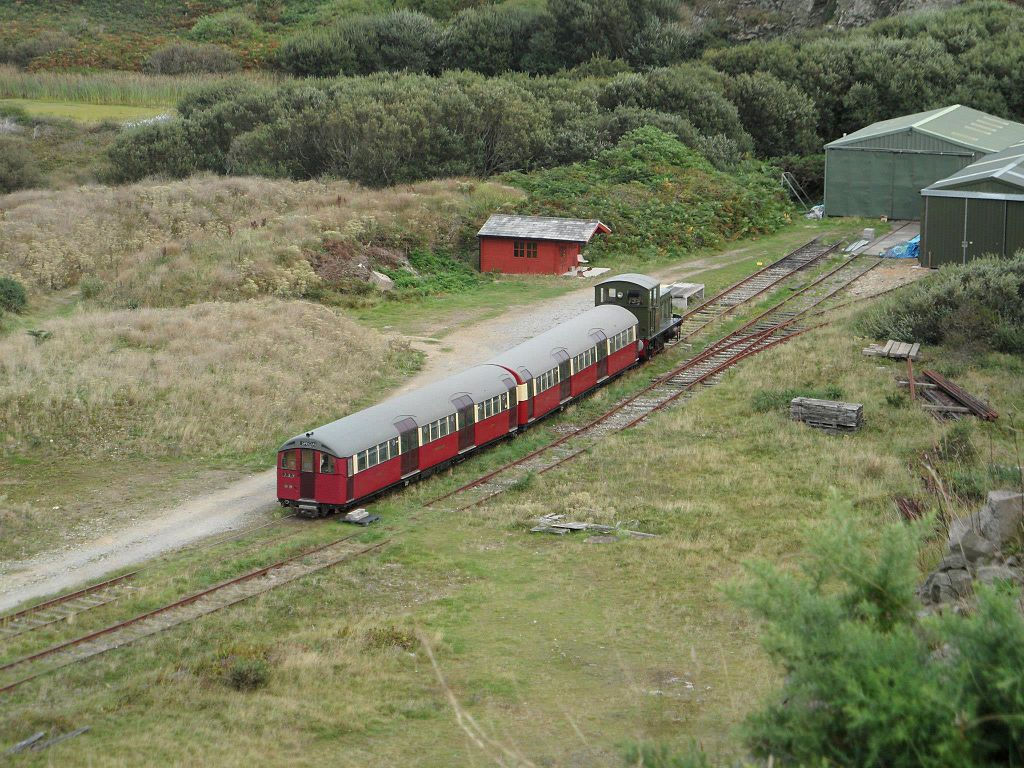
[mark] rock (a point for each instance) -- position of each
(1002, 518)
(946, 587)
(990, 574)
(973, 547)
(382, 281)
(953, 562)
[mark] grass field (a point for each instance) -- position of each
(560, 649)
(82, 112)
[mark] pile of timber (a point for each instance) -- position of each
(948, 401)
(897, 350)
(831, 415)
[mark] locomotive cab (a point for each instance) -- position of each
(648, 301)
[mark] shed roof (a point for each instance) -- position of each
(374, 425)
(542, 228)
(956, 124)
(645, 281)
(541, 353)
(1006, 167)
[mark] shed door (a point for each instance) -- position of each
(985, 225)
(408, 445)
(307, 474)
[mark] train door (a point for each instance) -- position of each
(307, 474)
(601, 343)
(464, 421)
(530, 392)
(564, 376)
(408, 445)
(513, 410)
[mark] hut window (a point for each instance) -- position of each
(531, 250)
(518, 248)
(326, 464)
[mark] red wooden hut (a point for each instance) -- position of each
(534, 244)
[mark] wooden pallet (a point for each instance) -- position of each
(827, 414)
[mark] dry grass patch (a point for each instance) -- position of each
(170, 244)
(211, 379)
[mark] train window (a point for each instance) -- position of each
(504, 402)
(326, 464)
(453, 423)
(371, 456)
(307, 460)
(288, 459)
(393, 447)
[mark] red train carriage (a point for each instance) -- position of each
(570, 359)
(394, 442)
(355, 458)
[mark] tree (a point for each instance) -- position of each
(779, 117)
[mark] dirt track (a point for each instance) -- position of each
(250, 500)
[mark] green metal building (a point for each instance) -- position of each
(978, 210)
(881, 169)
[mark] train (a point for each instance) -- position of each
(350, 461)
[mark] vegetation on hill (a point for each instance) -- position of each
(980, 303)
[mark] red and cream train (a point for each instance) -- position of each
(407, 437)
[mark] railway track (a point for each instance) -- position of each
(771, 328)
(185, 609)
(774, 326)
(749, 288)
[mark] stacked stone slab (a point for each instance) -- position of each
(984, 546)
(830, 415)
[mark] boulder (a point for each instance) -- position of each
(973, 547)
(382, 281)
(946, 587)
(990, 574)
(1001, 520)
(953, 562)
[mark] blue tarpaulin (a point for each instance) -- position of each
(907, 250)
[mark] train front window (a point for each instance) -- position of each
(307, 460)
(326, 464)
(288, 459)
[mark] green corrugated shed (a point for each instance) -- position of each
(978, 210)
(880, 170)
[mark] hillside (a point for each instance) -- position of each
(107, 35)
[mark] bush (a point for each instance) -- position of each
(491, 39)
(18, 168)
(978, 303)
(187, 59)
(43, 44)
(868, 682)
(247, 674)
(160, 149)
(223, 28)
(12, 295)
(780, 117)
(767, 400)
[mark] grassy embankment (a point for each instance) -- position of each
(561, 649)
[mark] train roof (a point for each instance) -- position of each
(364, 429)
(566, 340)
(632, 277)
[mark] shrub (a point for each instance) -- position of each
(43, 44)
(869, 682)
(978, 303)
(187, 58)
(160, 149)
(247, 674)
(767, 400)
(317, 53)
(780, 117)
(18, 168)
(12, 295)
(223, 28)
(392, 42)
(956, 444)
(490, 39)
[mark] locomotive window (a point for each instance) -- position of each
(326, 464)
(307, 460)
(634, 298)
(288, 459)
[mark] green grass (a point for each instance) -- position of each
(86, 113)
(561, 650)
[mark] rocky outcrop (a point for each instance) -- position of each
(982, 547)
(752, 19)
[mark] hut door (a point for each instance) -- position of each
(307, 474)
(408, 445)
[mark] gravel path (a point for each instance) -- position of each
(251, 500)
